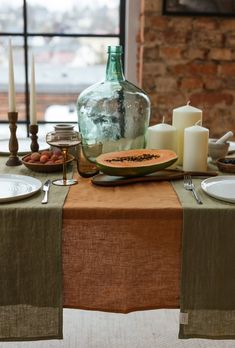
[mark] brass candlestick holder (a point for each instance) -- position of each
(33, 129)
(13, 142)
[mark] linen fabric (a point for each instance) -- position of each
(31, 264)
(207, 296)
(121, 247)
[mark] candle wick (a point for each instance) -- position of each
(163, 119)
(199, 122)
(188, 102)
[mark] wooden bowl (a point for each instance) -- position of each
(46, 168)
(226, 164)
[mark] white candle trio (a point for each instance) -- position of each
(11, 88)
(186, 137)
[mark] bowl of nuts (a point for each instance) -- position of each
(226, 164)
(46, 161)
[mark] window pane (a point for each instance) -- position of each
(11, 16)
(64, 67)
(18, 57)
(73, 16)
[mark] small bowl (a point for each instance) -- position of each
(216, 151)
(45, 168)
(226, 164)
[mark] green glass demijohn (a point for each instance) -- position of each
(114, 111)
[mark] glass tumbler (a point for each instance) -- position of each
(86, 158)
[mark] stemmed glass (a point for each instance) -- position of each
(64, 140)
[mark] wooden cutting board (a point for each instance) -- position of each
(162, 175)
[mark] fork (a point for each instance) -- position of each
(188, 185)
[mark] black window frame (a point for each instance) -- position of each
(26, 34)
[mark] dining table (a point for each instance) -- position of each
(147, 245)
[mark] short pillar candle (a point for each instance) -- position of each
(196, 148)
(162, 136)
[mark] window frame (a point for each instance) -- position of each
(26, 35)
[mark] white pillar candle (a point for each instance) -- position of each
(195, 148)
(32, 111)
(184, 116)
(11, 83)
(162, 136)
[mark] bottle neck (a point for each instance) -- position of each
(114, 71)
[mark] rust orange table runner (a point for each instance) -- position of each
(121, 247)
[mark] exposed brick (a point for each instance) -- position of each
(212, 98)
(195, 68)
(152, 39)
(219, 120)
(170, 100)
(230, 40)
(220, 54)
(170, 52)
(194, 53)
(182, 24)
(202, 39)
(208, 23)
(191, 83)
(229, 83)
(227, 69)
(196, 62)
(157, 22)
(171, 37)
(165, 84)
(151, 53)
(227, 25)
(153, 5)
(149, 84)
(213, 83)
(154, 69)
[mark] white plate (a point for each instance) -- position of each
(220, 187)
(15, 187)
(24, 146)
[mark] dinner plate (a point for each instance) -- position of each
(15, 187)
(24, 146)
(220, 187)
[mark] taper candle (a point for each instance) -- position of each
(11, 83)
(32, 111)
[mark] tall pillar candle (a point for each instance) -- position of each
(183, 117)
(161, 136)
(32, 111)
(195, 148)
(11, 82)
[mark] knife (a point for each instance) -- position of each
(45, 189)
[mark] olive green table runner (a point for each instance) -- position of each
(31, 262)
(207, 297)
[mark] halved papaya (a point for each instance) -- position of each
(135, 162)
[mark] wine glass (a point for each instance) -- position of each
(64, 140)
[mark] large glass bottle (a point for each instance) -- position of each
(114, 112)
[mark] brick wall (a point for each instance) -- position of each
(188, 58)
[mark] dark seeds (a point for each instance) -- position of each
(140, 158)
